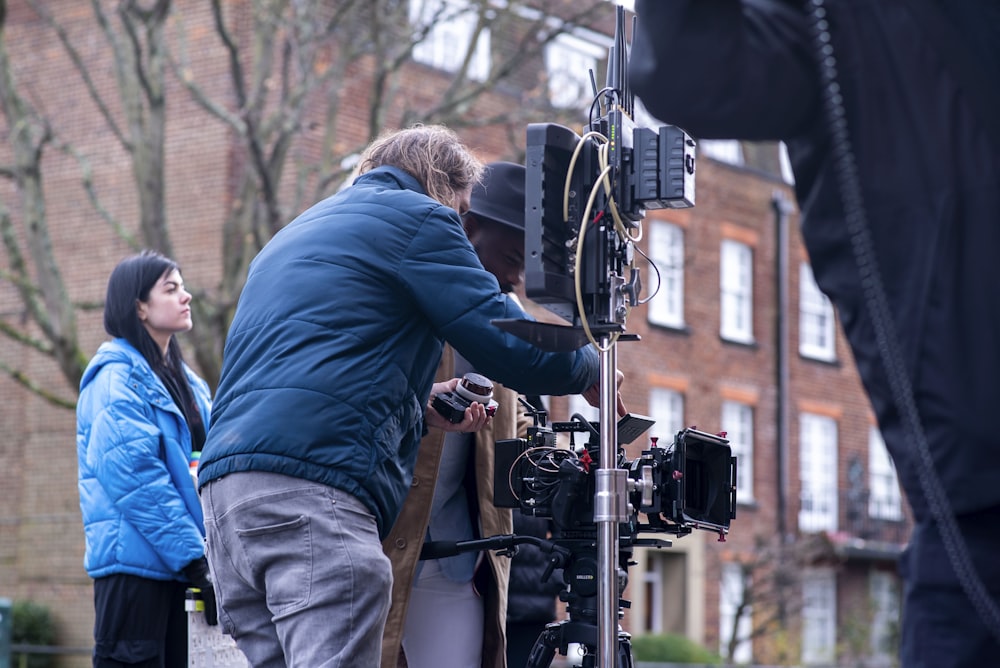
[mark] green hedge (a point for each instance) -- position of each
(671, 648)
(32, 624)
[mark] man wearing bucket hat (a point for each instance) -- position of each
(451, 497)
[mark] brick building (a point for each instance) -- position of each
(737, 340)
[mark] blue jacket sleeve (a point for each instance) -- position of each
(726, 69)
(460, 298)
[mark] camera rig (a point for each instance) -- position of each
(585, 197)
(689, 484)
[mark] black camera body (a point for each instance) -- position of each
(472, 388)
(690, 484)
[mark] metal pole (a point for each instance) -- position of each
(609, 510)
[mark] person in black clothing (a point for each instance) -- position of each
(905, 177)
(531, 603)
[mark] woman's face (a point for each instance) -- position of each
(167, 310)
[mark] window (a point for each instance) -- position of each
(453, 26)
(724, 150)
(667, 408)
(816, 321)
(736, 278)
(569, 60)
(819, 616)
(885, 617)
(652, 582)
(733, 587)
(817, 473)
(737, 422)
(786, 164)
(884, 501)
(666, 251)
(665, 583)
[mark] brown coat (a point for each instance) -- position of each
(403, 543)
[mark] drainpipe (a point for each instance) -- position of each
(782, 208)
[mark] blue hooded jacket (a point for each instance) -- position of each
(330, 358)
(141, 513)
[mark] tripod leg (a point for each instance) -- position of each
(544, 649)
(624, 652)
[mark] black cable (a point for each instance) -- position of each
(877, 304)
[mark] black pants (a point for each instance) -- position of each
(941, 628)
(521, 637)
(139, 623)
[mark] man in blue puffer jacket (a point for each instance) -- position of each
(323, 399)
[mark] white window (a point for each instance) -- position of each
(667, 408)
(652, 581)
(885, 617)
(884, 501)
(452, 29)
(816, 321)
(819, 616)
(733, 587)
(666, 252)
(729, 151)
(786, 164)
(737, 422)
(569, 60)
(736, 278)
(817, 473)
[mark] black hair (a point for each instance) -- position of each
(131, 282)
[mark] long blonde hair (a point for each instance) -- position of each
(433, 154)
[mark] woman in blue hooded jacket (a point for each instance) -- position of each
(141, 414)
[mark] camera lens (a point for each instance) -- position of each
(475, 387)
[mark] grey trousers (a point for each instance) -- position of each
(300, 575)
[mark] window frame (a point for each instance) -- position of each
(666, 251)
(885, 500)
(818, 445)
(454, 27)
(817, 321)
(740, 415)
(819, 622)
(736, 291)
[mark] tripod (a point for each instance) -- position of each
(580, 595)
(577, 557)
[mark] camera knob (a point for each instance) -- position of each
(475, 387)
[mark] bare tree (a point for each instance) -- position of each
(770, 595)
(298, 73)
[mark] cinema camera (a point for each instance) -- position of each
(690, 484)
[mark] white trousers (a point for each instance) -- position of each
(444, 622)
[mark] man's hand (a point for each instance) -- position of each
(475, 415)
(593, 394)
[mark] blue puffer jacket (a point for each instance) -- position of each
(330, 358)
(141, 513)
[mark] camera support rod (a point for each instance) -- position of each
(609, 509)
